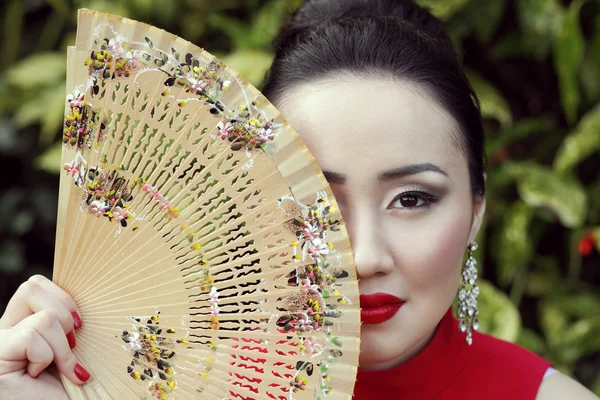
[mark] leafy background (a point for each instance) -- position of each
(535, 65)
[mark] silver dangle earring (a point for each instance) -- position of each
(467, 296)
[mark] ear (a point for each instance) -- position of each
(478, 214)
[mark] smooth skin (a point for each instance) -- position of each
(396, 165)
(394, 160)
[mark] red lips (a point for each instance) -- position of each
(378, 307)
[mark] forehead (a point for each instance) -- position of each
(370, 125)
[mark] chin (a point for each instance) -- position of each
(379, 345)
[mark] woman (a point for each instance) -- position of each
(377, 93)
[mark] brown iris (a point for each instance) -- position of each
(409, 201)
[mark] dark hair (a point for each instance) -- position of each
(387, 37)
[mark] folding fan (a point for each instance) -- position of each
(196, 233)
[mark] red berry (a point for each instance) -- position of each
(586, 245)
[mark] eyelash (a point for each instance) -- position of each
(429, 199)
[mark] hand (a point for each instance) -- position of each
(35, 331)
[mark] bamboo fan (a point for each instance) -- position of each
(196, 233)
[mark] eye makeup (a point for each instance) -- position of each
(414, 198)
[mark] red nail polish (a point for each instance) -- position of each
(71, 339)
(76, 320)
(81, 373)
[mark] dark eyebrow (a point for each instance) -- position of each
(334, 177)
(412, 169)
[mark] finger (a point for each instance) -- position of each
(38, 352)
(62, 296)
(31, 298)
(23, 347)
(48, 327)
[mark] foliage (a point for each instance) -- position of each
(535, 65)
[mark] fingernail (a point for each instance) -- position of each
(81, 373)
(76, 320)
(71, 339)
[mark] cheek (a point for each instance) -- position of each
(430, 257)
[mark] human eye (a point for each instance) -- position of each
(413, 199)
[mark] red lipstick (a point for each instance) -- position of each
(378, 307)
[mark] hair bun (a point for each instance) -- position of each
(317, 12)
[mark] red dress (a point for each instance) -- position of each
(449, 369)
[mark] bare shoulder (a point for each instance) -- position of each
(560, 386)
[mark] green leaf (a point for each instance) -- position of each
(251, 64)
(493, 104)
(192, 27)
(552, 321)
(486, 18)
(584, 304)
(443, 9)
(596, 235)
(531, 340)
(581, 142)
(498, 316)
(561, 193)
(575, 260)
(540, 21)
(12, 15)
(106, 6)
(60, 6)
(142, 9)
(49, 160)
(164, 12)
(541, 17)
(239, 32)
(519, 130)
(578, 339)
(515, 242)
(53, 30)
(511, 45)
(267, 22)
(37, 71)
(568, 54)
(9, 98)
(481, 16)
(54, 113)
(46, 108)
(29, 113)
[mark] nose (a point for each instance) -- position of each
(372, 254)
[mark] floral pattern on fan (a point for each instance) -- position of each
(308, 310)
(246, 127)
(207, 285)
(152, 348)
(164, 149)
(79, 128)
(106, 193)
(115, 59)
(245, 131)
(312, 231)
(299, 382)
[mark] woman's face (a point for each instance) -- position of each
(392, 158)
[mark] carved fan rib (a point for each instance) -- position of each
(196, 233)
